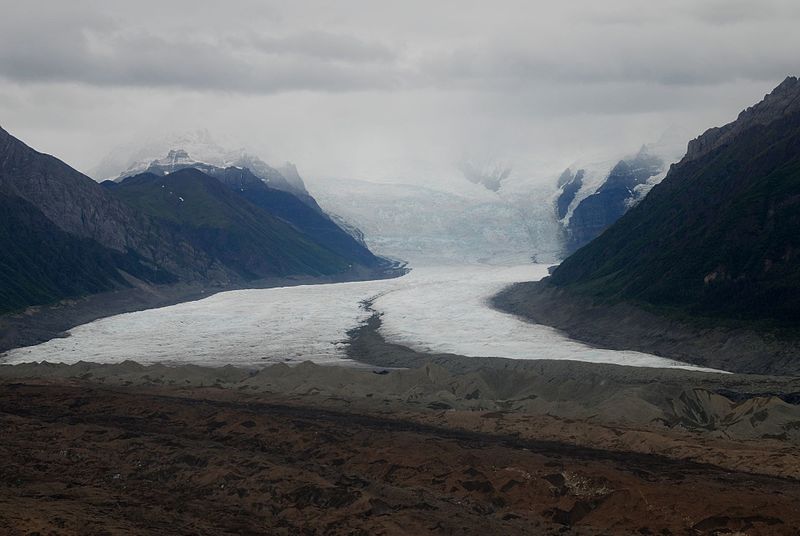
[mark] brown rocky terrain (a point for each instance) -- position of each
(453, 445)
(87, 459)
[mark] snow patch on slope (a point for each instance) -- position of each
(670, 148)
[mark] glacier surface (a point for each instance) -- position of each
(435, 309)
(428, 227)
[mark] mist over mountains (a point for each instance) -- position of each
(198, 149)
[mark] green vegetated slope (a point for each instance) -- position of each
(310, 220)
(62, 235)
(40, 263)
(720, 236)
(226, 226)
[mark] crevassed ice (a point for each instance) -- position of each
(432, 309)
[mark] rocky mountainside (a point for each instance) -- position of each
(718, 236)
(299, 209)
(569, 184)
(42, 263)
(79, 206)
(610, 201)
(309, 219)
(64, 235)
(226, 226)
(782, 102)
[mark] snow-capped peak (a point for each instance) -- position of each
(195, 149)
(670, 148)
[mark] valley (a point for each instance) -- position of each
(397, 269)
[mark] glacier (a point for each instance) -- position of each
(429, 226)
(431, 309)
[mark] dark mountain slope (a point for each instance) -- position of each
(312, 222)
(62, 235)
(281, 193)
(40, 263)
(78, 205)
(225, 225)
(720, 236)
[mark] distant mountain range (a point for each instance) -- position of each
(65, 235)
(720, 235)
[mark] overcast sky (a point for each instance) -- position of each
(390, 91)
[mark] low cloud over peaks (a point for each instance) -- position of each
(349, 87)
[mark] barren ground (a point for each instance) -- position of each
(83, 459)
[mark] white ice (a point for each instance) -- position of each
(445, 310)
(432, 309)
(241, 327)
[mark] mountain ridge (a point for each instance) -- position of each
(309, 219)
(198, 149)
(226, 225)
(82, 237)
(782, 101)
(78, 205)
(626, 183)
(718, 235)
(706, 268)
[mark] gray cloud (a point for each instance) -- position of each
(681, 12)
(322, 46)
(103, 58)
(742, 12)
(679, 64)
(92, 46)
(388, 90)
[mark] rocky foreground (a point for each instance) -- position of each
(84, 459)
(451, 446)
